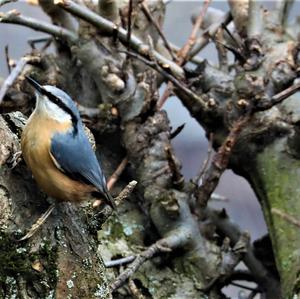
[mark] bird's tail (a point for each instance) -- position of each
(110, 200)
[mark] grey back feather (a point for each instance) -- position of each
(77, 158)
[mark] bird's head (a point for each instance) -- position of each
(55, 103)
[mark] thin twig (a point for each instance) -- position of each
(2, 2)
(115, 176)
(14, 74)
(41, 220)
(286, 216)
(136, 293)
(220, 162)
(253, 294)
(33, 41)
(113, 179)
(238, 52)
(107, 211)
(255, 19)
(167, 93)
(14, 17)
(218, 197)
(183, 53)
(206, 162)
(148, 15)
(203, 40)
(141, 258)
(231, 230)
(7, 59)
(282, 10)
(120, 262)
(242, 286)
(129, 25)
(177, 131)
(177, 178)
(222, 53)
(194, 59)
(278, 98)
(124, 194)
(169, 77)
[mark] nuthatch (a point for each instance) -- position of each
(57, 151)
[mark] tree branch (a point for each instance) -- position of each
(171, 78)
(185, 50)
(147, 13)
(110, 28)
(120, 262)
(14, 17)
(2, 2)
(266, 281)
(207, 34)
(277, 98)
(255, 19)
(219, 163)
(158, 247)
(282, 10)
(15, 73)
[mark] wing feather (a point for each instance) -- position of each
(74, 155)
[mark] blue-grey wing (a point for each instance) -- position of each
(76, 158)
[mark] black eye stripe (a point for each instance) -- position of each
(63, 106)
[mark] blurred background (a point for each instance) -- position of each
(190, 145)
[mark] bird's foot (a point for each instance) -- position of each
(15, 159)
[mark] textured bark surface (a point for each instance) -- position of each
(186, 249)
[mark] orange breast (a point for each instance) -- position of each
(35, 143)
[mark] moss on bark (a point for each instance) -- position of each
(276, 181)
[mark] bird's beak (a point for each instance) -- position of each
(39, 88)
